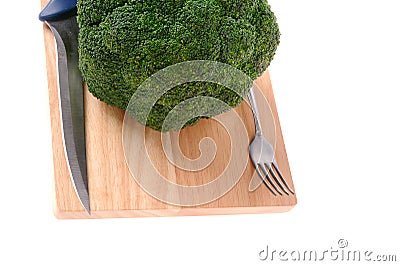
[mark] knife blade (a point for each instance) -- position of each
(60, 16)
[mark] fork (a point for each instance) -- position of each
(262, 155)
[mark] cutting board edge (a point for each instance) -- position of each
(70, 215)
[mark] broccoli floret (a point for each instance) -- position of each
(124, 42)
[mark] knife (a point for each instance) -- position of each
(60, 16)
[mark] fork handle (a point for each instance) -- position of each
(253, 104)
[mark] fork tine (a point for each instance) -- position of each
(264, 169)
(281, 177)
(263, 179)
(277, 181)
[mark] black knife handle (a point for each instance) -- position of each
(58, 9)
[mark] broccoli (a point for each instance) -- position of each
(124, 42)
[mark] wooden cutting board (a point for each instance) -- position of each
(113, 190)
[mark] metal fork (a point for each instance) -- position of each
(262, 155)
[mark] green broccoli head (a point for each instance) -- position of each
(123, 42)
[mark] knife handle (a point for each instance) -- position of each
(58, 9)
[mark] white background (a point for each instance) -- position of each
(336, 81)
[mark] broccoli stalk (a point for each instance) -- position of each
(123, 42)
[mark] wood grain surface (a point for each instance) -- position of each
(114, 192)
